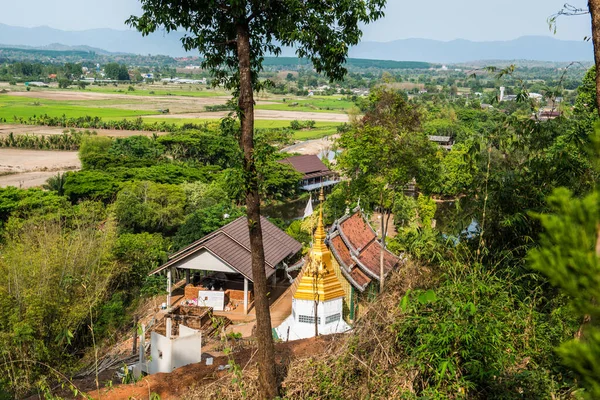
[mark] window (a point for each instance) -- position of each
(308, 319)
(332, 318)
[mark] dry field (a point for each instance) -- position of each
(31, 168)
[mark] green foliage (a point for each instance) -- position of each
(24, 203)
(457, 170)
(93, 185)
(46, 294)
(201, 195)
(116, 71)
(426, 208)
(268, 29)
(385, 151)
(567, 255)
(296, 231)
(465, 341)
(92, 147)
(204, 221)
(151, 207)
(141, 253)
(135, 147)
(154, 285)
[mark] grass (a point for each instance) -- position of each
(26, 107)
(326, 104)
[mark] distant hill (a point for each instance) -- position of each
(542, 48)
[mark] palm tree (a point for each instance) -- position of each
(56, 183)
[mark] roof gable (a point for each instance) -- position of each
(231, 244)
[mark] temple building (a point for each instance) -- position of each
(318, 299)
(356, 261)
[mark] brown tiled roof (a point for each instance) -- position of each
(342, 251)
(360, 278)
(370, 258)
(231, 244)
(356, 231)
(355, 246)
(305, 164)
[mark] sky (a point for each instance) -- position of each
(477, 20)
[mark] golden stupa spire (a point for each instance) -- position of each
(319, 281)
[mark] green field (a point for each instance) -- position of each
(26, 107)
(321, 129)
(326, 104)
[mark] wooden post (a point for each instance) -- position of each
(245, 295)
(168, 288)
(187, 276)
(135, 334)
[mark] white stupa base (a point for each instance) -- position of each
(301, 325)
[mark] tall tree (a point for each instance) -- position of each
(383, 153)
(594, 10)
(234, 36)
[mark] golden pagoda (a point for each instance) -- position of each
(319, 282)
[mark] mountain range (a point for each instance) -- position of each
(541, 48)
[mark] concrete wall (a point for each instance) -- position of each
(187, 349)
(161, 353)
(168, 354)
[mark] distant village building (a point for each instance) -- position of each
(315, 173)
(445, 142)
(545, 114)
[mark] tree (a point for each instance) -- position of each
(150, 207)
(233, 37)
(594, 10)
(567, 255)
(116, 71)
(383, 153)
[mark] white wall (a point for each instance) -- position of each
(187, 349)
(168, 354)
(203, 260)
(212, 298)
(160, 351)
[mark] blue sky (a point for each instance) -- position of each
(479, 20)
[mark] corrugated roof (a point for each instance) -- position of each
(306, 163)
(231, 244)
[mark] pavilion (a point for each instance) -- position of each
(223, 258)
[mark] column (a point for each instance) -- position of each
(187, 276)
(245, 295)
(168, 288)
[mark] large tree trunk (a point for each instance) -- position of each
(594, 6)
(264, 337)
